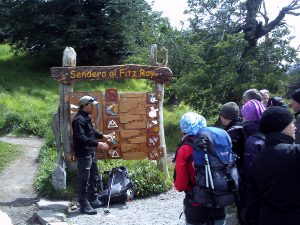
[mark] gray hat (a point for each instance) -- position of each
(87, 99)
(230, 110)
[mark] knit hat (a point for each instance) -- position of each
(296, 96)
(276, 101)
(191, 123)
(230, 110)
(252, 110)
(275, 119)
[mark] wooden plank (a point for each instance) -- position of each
(125, 117)
(133, 107)
(130, 133)
(130, 148)
(134, 155)
(135, 125)
(133, 95)
(68, 75)
(137, 140)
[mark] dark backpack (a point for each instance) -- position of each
(255, 143)
(216, 175)
(118, 185)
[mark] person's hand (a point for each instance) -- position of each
(102, 146)
(108, 137)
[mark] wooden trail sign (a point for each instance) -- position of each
(69, 75)
(135, 119)
(129, 118)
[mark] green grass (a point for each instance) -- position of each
(8, 153)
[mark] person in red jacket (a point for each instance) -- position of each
(184, 175)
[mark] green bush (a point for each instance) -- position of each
(42, 183)
(148, 179)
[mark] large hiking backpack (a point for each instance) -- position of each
(118, 186)
(216, 175)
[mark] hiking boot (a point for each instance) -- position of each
(86, 208)
(96, 203)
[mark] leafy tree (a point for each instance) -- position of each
(101, 32)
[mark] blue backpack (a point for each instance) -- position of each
(216, 174)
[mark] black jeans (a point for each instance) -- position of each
(87, 177)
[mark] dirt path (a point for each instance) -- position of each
(163, 209)
(17, 195)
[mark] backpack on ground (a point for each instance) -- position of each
(118, 187)
(216, 174)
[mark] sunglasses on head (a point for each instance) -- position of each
(91, 100)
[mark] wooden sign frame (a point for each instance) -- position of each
(69, 74)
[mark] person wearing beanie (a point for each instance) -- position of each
(184, 175)
(274, 177)
(254, 142)
(295, 105)
(230, 119)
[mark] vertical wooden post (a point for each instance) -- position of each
(163, 161)
(69, 60)
(61, 128)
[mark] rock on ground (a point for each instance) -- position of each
(53, 205)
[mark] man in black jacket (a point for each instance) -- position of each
(229, 116)
(85, 144)
(274, 176)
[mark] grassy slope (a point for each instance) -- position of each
(8, 153)
(27, 92)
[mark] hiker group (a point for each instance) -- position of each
(253, 163)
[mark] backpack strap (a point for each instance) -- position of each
(185, 141)
(259, 135)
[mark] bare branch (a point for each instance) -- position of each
(293, 13)
(295, 4)
(265, 14)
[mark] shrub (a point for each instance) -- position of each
(148, 179)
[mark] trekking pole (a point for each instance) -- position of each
(106, 211)
(207, 169)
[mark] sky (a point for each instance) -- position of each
(174, 10)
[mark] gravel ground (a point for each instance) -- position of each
(17, 195)
(159, 210)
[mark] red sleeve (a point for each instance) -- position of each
(183, 168)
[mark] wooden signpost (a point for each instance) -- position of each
(134, 120)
